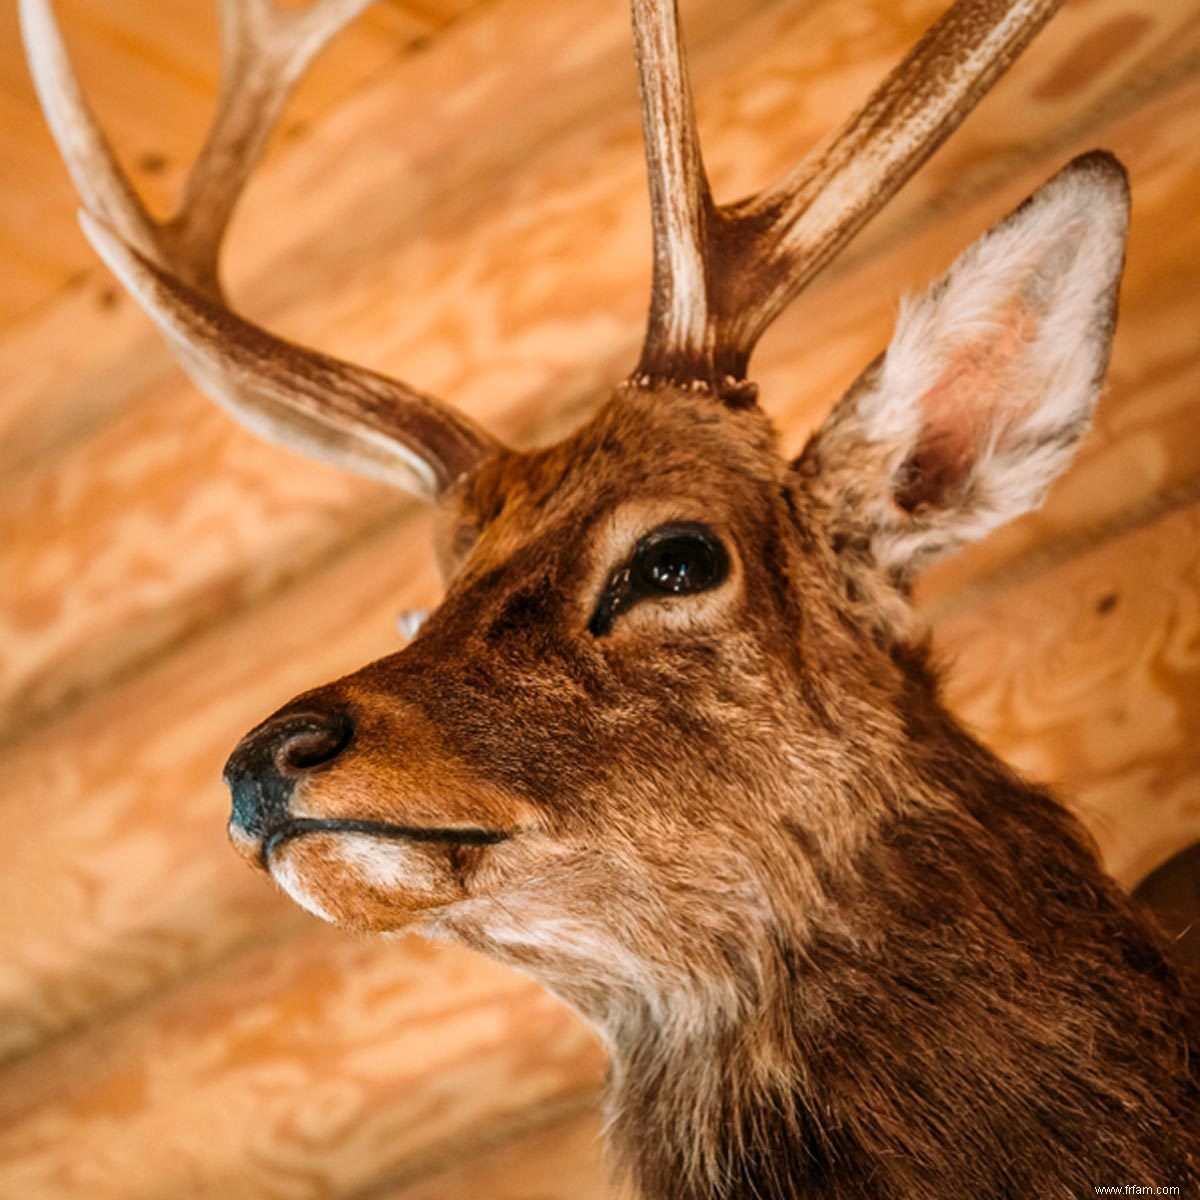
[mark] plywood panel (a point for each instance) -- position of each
(305, 1074)
(772, 79)
(172, 1026)
(110, 513)
(116, 876)
(1088, 677)
(560, 1162)
(141, 60)
(441, 137)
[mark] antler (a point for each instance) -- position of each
(723, 273)
(309, 401)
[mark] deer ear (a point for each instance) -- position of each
(989, 381)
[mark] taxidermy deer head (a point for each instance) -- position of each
(671, 742)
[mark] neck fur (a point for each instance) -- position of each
(955, 1020)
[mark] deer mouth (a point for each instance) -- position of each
(294, 827)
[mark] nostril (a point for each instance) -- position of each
(268, 762)
(311, 740)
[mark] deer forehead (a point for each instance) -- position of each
(664, 453)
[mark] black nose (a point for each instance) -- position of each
(266, 764)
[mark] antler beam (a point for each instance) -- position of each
(723, 273)
(307, 401)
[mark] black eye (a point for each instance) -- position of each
(679, 559)
(674, 560)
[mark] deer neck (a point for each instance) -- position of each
(881, 1039)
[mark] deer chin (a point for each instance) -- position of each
(371, 876)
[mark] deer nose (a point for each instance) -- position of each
(267, 763)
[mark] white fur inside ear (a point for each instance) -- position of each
(993, 373)
(1062, 251)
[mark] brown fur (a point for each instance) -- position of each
(835, 947)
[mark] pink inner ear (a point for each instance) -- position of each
(974, 399)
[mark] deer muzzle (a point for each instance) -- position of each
(328, 802)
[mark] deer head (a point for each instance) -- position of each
(675, 679)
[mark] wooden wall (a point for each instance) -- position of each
(457, 197)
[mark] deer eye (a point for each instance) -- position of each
(674, 560)
(679, 560)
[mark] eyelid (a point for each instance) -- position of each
(618, 594)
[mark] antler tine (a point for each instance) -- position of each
(300, 398)
(99, 180)
(304, 400)
(264, 52)
(680, 200)
(759, 252)
(825, 201)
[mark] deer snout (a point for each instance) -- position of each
(264, 768)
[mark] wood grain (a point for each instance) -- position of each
(1088, 675)
(305, 1074)
(560, 1161)
(507, 337)
(97, 753)
(140, 59)
(169, 1025)
(115, 875)
(416, 190)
